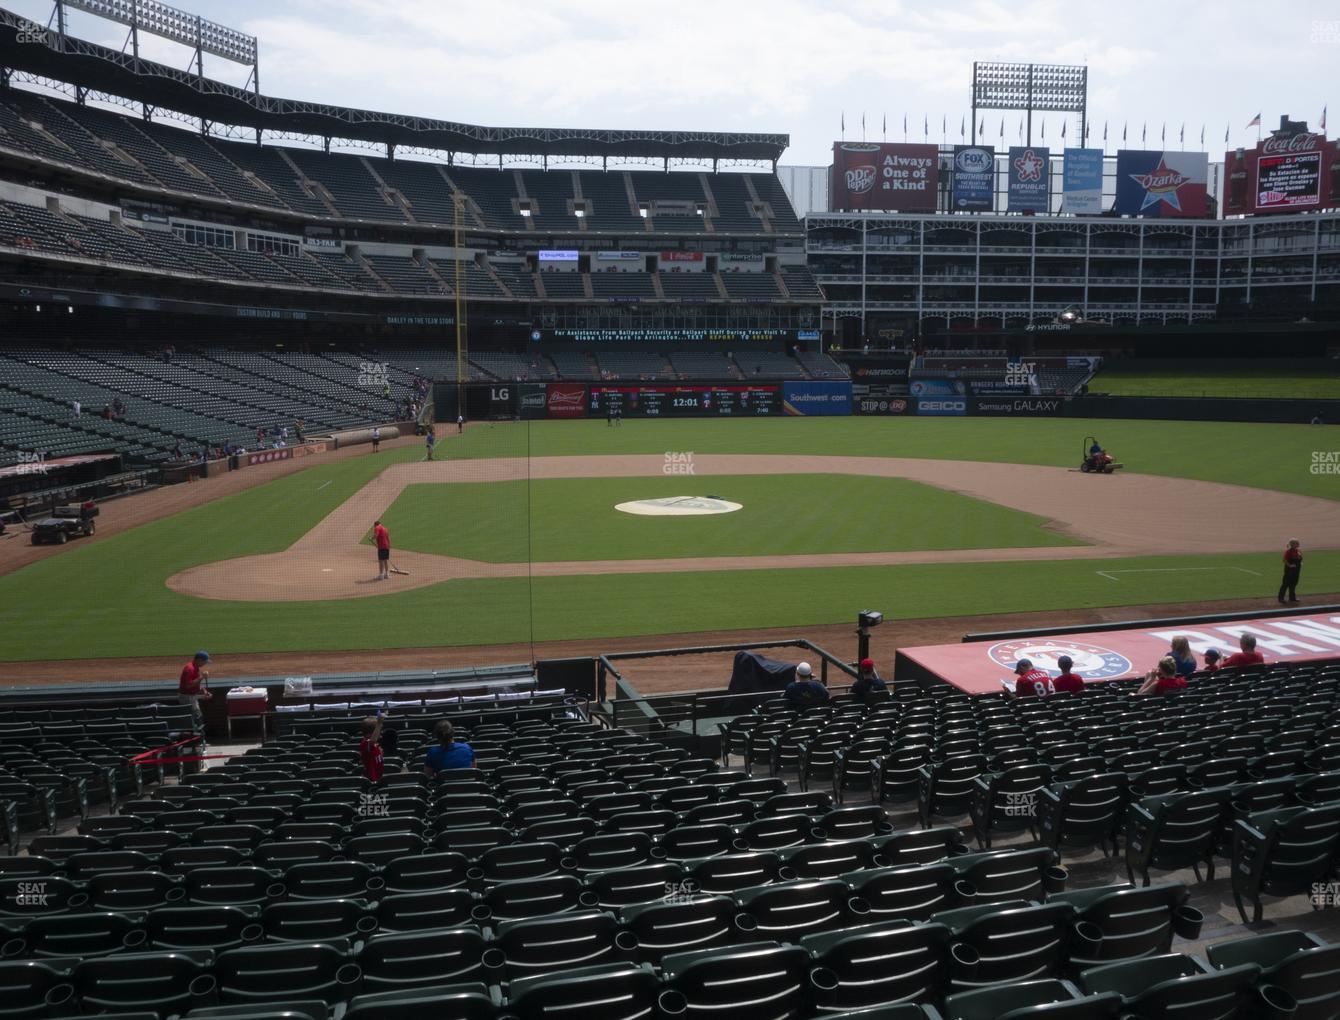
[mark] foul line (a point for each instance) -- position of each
(324, 484)
(1168, 570)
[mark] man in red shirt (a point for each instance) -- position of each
(1249, 656)
(1067, 682)
(381, 538)
(1293, 568)
(1030, 682)
(191, 689)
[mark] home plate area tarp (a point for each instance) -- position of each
(978, 667)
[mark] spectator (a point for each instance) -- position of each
(805, 691)
(868, 683)
(1212, 658)
(1030, 682)
(78, 407)
(176, 451)
(1163, 680)
(1293, 569)
(192, 688)
(1067, 682)
(107, 416)
(118, 408)
(1248, 656)
(370, 749)
(449, 752)
(1182, 655)
(297, 431)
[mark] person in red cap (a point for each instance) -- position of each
(868, 682)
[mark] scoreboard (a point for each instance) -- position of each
(647, 400)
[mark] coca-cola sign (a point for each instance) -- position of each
(1305, 142)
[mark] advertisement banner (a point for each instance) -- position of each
(942, 406)
(566, 400)
(1151, 183)
(1288, 181)
(884, 176)
(1283, 172)
(978, 667)
(881, 368)
(938, 388)
(1018, 406)
(1029, 178)
(816, 398)
(648, 400)
(1082, 182)
(974, 177)
(878, 399)
(534, 400)
(504, 400)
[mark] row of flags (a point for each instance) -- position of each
(1255, 122)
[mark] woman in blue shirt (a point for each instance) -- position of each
(1182, 655)
(449, 753)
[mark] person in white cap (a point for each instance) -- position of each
(805, 691)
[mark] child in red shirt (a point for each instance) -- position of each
(1165, 679)
(1067, 682)
(370, 749)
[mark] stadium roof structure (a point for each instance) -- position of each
(89, 66)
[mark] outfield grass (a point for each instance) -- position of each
(1265, 456)
(1215, 382)
(107, 597)
(781, 515)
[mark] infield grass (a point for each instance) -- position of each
(107, 597)
(780, 515)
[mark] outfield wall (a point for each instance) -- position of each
(1205, 409)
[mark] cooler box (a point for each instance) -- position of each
(244, 702)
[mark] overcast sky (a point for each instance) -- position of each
(788, 66)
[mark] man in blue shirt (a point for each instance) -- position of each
(805, 691)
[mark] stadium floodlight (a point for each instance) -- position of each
(1046, 88)
(171, 23)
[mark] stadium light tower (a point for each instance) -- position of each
(1062, 88)
(200, 34)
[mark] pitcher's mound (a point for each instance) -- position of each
(678, 506)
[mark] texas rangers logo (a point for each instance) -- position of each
(1029, 166)
(1092, 662)
(1161, 185)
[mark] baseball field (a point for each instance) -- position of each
(513, 536)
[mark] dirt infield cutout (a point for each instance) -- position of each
(1120, 515)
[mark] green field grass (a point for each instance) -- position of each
(107, 597)
(781, 515)
(1215, 382)
(1265, 456)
